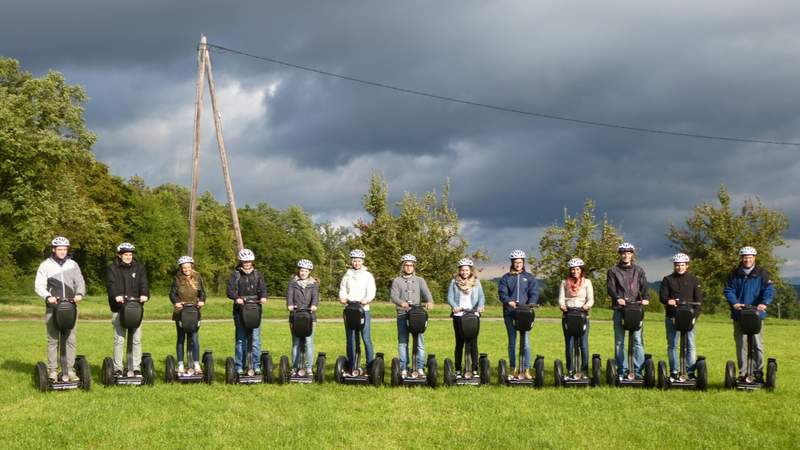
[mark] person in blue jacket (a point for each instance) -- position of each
(465, 292)
(748, 284)
(517, 287)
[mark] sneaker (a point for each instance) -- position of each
(404, 374)
(240, 372)
(117, 373)
(674, 375)
(137, 373)
(258, 371)
(197, 366)
(420, 373)
(180, 367)
(309, 373)
(458, 374)
(514, 373)
(53, 375)
(527, 374)
(73, 376)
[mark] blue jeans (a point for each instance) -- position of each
(402, 345)
(241, 344)
(296, 363)
(673, 344)
(351, 342)
(512, 345)
(195, 344)
(584, 343)
(619, 347)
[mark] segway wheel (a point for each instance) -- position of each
(661, 382)
(611, 373)
(596, 369)
(701, 370)
(338, 369)
(558, 372)
(84, 372)
(502, 372)
(772, 374)
(108, 371)
(730, 375)
(433, 372)
(449, 372)
(169, 369)
(319, 374)
(376, 372)
(283, 370)
(486, 370)
(395, 372)
(208, 367)
(538, 368)
(230, 371)
(649, 373)
(266, 367)
(148, 370)
(40, 376)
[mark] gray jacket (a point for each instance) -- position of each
(411, 290)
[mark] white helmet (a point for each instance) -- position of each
(246, 254)
(465, 262)
(185, 259)
(747, 251)
(575, 262)
(517, 254)
(408, 257)
(305, 264)
(680, 258)
(357, 254)
(60, 241)
(125, 247)
(626, 247)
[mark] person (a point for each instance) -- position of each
(748, 285)
(678, 287)
(576, 291)
(408, 290)
(187, 289)
(126, 278)
(303, 293)
(517, 287)
(246, 282)
(59, 276)
(358, 286)
(626, 282)
(465, 292)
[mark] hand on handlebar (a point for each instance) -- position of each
(142, 298)
(263, 301)
(457, 310)
(738, 306)
(672, 302)
(621, 301)
(78, 298)
(563, 308)
(51, 300)
(290, 307)
(200, 304)
(645, 302)
(343, 301)
(118, 299)
(512, 305)
(313, 308)
(240, 301)
(179, 306)
(761, 307)
(429, 305)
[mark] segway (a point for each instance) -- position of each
(750, 323)
(130, 318)
(189, 321)
(250, 316)
(523, 317)
(354, 320)
(470, 322)
(575, 322)
(417, 320)
(683, 322)
(632, 319)
(65, 314)
(302, 325)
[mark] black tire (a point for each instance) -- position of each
(558, 373)
(701, 371)
(283, 370)
(538, 368)
(169, 369)
(649, 373)
(485, 369)
(148, 370)
(395, 372)
(433, 372)
(502, 372)
(772, 374)
(230, 371)
(596, 371)
(208, 367)
(84, 371)
(661, 382)
(376, 372)
(339, 368)
(612, 378)
(449, 373)
(730, 375)
(107, 374)
(267, 367)
(40, 377)
(319, 374)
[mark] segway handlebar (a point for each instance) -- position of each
(64, 300)
(250, 299)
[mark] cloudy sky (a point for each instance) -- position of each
(715, 67)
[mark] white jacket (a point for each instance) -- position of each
(358, 285)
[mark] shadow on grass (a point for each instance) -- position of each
(19, 366)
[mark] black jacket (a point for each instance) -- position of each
(242, 285)
(684, 287)
(616, 286)
(127, 280)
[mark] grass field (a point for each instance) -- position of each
(330, 415)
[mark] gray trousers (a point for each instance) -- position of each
(742, 349)
(53, 355)
(120, 333)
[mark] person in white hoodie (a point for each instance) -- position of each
(358, 285)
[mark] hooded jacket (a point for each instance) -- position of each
(59, 279)
(303, 297)
(754, 289)
(358, 285)
(617, 287)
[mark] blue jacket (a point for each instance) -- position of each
(753, 289)
(521, 288)
(477, 297)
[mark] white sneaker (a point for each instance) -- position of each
(53, 375)
(180, 367)
(197, 366)
(420, 373)
(404, 374)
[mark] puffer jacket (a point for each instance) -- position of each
(754, 289)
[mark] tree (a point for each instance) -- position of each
(595, 243)
(335, 243)
(714, 234)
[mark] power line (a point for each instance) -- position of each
(503, 108)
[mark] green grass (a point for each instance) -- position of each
(349, 416)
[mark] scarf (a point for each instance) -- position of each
(465, 285)
(573, 286)
(304, 283)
